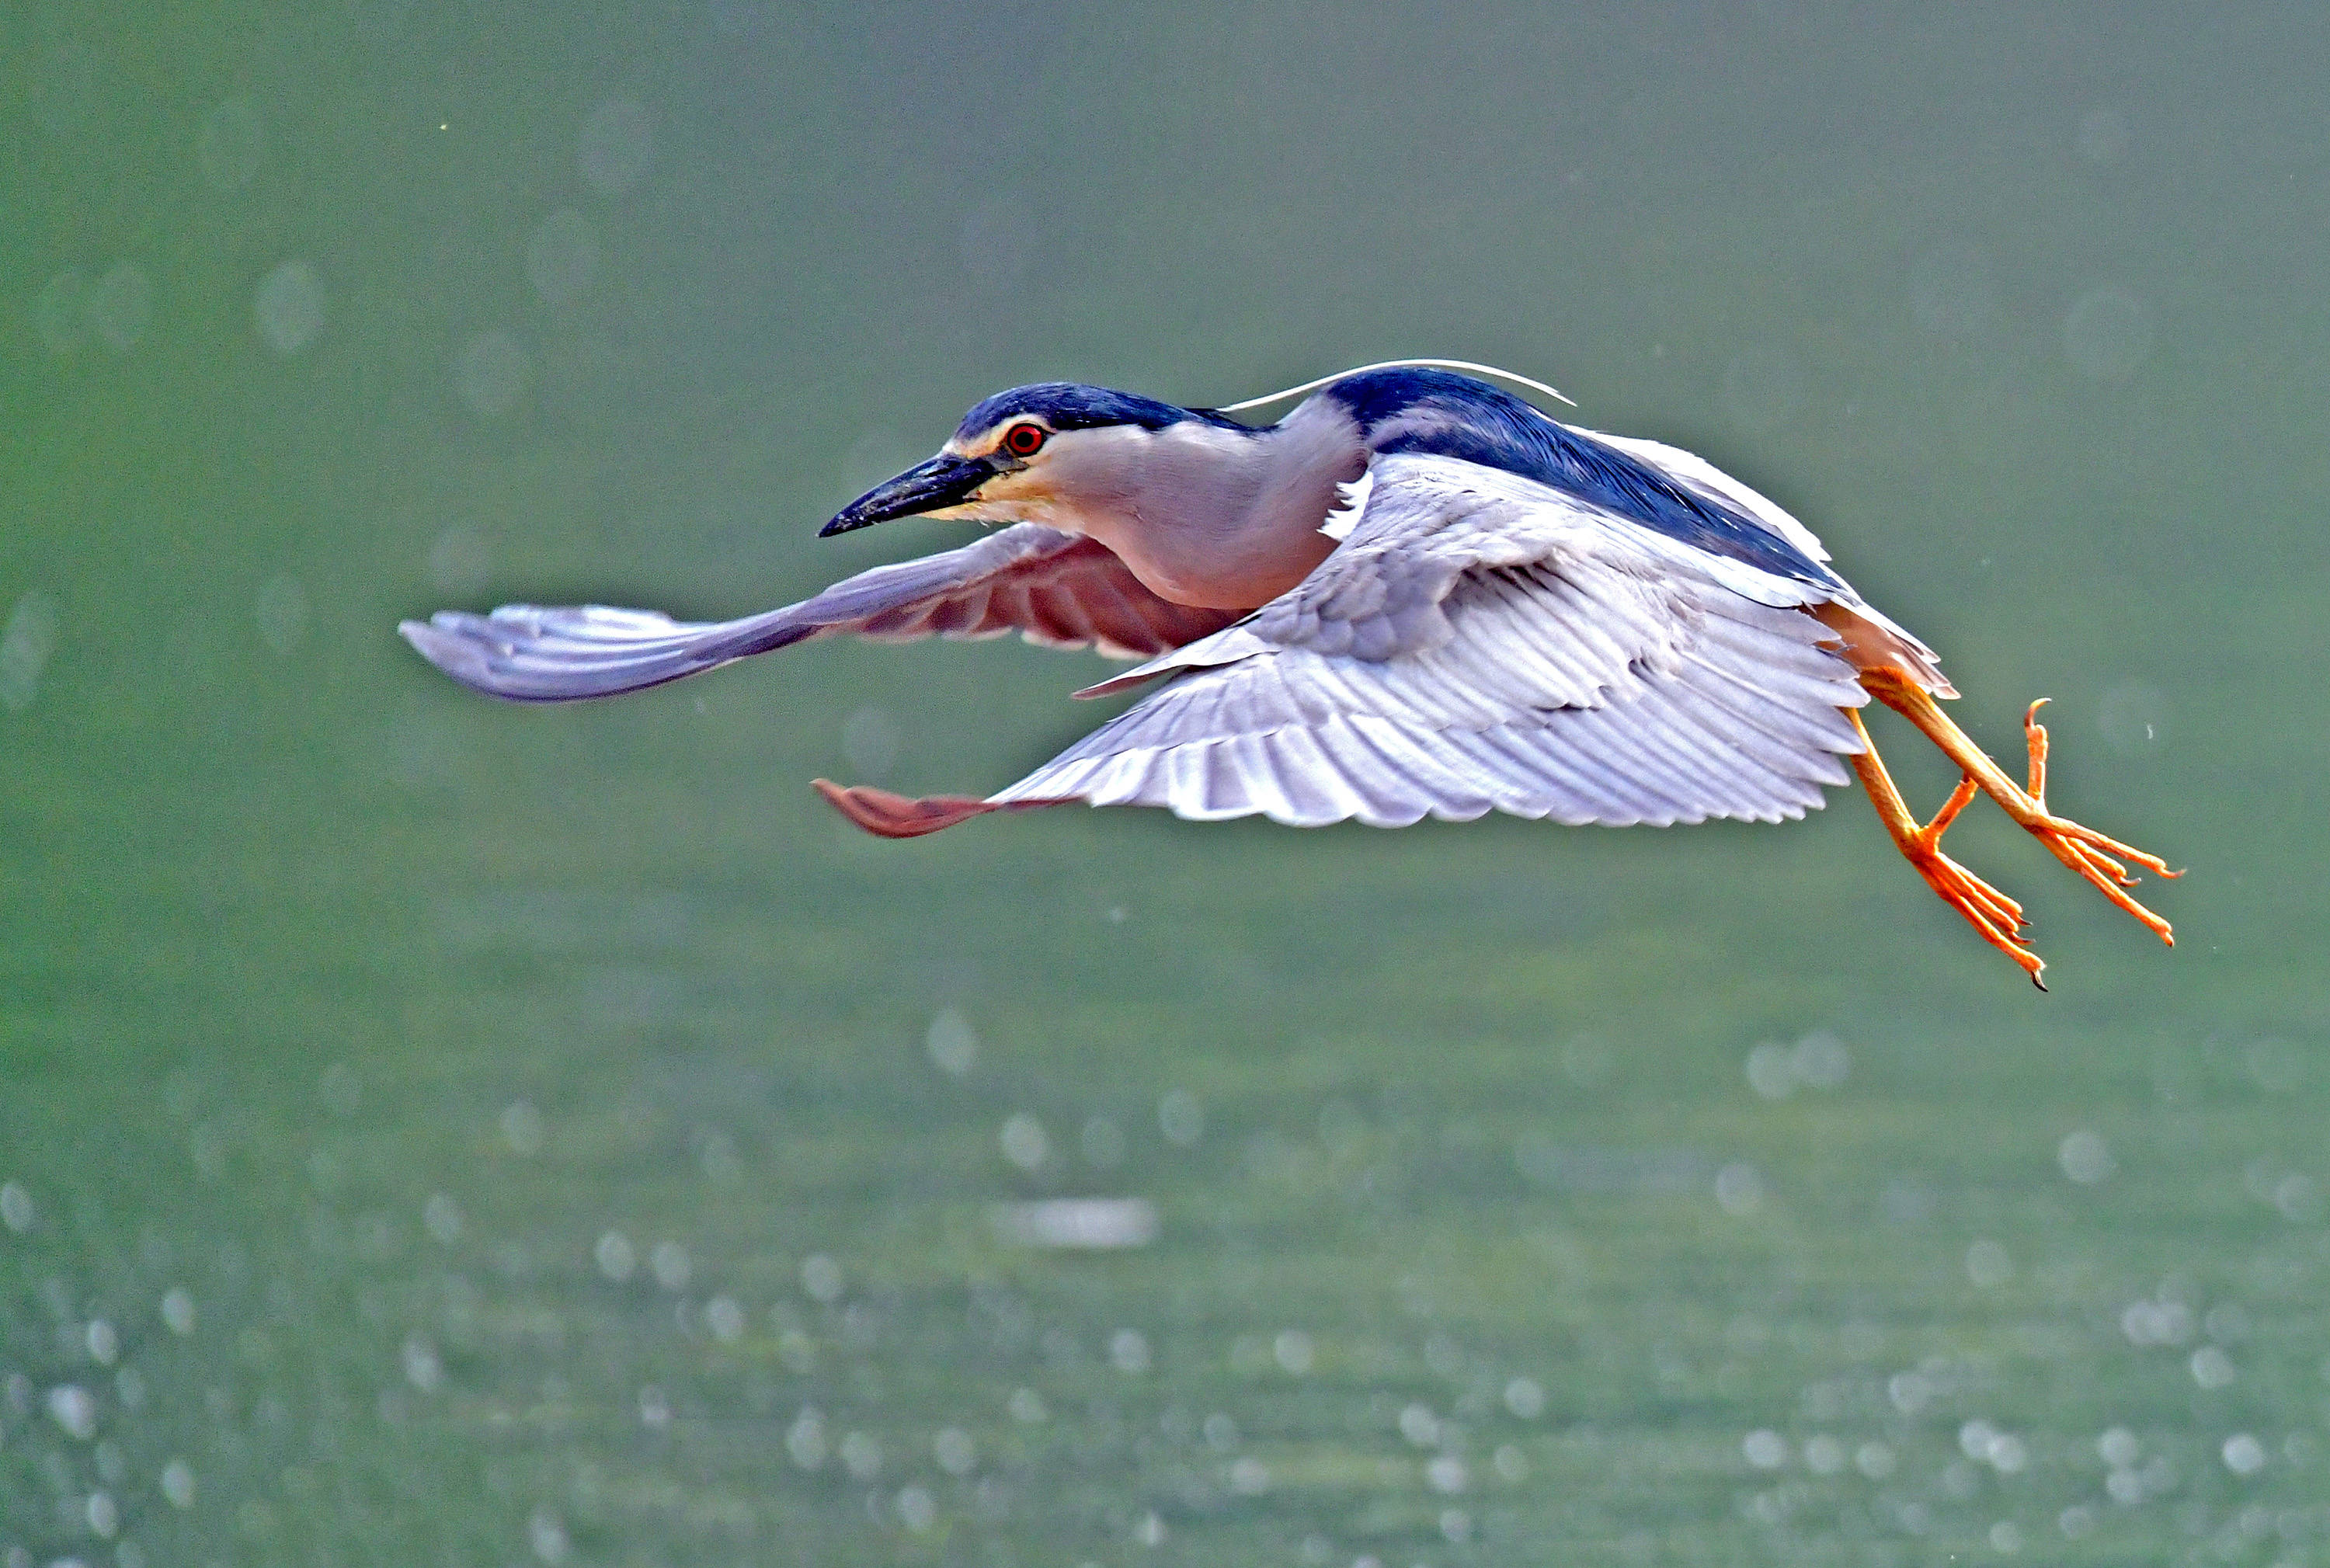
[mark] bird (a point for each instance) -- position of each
(1415, 594)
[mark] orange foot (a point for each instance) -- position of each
(2097, 857)
(1998, 918)
(2083, 849)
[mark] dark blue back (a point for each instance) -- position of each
(1486, 425)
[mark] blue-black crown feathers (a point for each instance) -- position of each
(1069, 405)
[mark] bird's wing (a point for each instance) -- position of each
(1891, 640)
(1693, 472)
(1053, 588)
(1483, 642)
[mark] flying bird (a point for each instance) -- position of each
(1415, 595)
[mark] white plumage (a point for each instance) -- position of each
(1414, 596)
(1481, 642)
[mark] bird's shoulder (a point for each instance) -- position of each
(1408, 412)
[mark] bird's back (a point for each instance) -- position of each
(1443, 414)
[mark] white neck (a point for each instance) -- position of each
(1222, 519)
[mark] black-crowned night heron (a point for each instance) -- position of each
(1415, 595)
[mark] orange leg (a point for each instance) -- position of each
(2097, 857)
(1997, 917)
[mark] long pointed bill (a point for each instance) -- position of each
(933, 487)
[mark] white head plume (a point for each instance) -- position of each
(1458, 364)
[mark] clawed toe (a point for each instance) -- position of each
(2098, 857)
(1996, 917)
(2079, 849)
(2101, 861)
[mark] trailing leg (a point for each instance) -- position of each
(2095, 856)
(1997, 917)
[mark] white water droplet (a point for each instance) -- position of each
(442, 1217)
(26, 644)
(2085, 1158)
(956, 1453)
(422, 1369)
(821, 1279)
(283, 613)
(1181, 1118)
(870, 739)
(725, 1319)
(805, 1438)
(1770, 1072)
(1738, 1190)
(522, 1127)
(1821, 1060)
(952, 1045)
(917, 1509)
(671, 1265)
(492, 374)
(289, 307)
(74, 1408)
(1988, 1265)
(547, 1534)
(1024, 1142)
(17, 1211)
(861, 1455)
(121, 306)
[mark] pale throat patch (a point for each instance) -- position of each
(1351, 500)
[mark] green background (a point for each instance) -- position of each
(540, 1115)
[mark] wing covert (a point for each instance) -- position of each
(1483, 642)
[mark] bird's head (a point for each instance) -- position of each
(1056, 452)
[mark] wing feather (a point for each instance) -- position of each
(1056, 588)
(1481, 642)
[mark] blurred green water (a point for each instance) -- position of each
(434, 1131)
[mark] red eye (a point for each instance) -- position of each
(1024, 441)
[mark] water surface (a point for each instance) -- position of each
(437, 1131)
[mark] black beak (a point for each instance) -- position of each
(942, 482)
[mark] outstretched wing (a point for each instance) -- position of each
(1057, 588)
(1878, 636)
(1483, 642)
